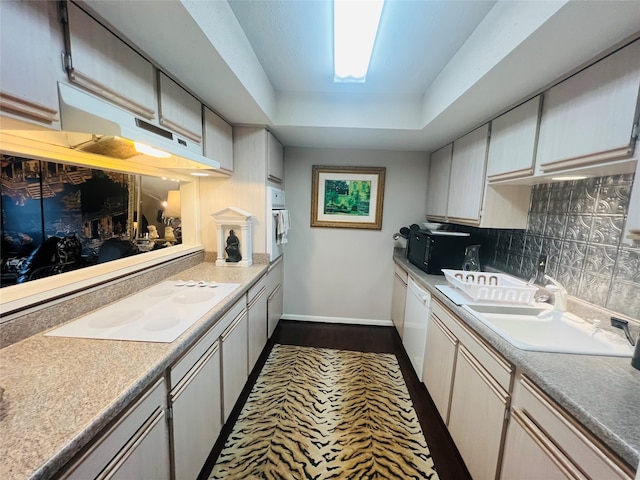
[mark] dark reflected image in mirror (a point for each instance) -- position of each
(59, 217)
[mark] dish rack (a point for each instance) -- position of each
(491, 287)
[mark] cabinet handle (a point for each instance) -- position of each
(488, 379)
(235, 323)
(107, 92)
(593, 158)
(572, 426)
(131, 445)
(199, 365)
(547, 446)
(255, 299)
(181, 130)
(31, 109)
(273, 294)
(447, 333)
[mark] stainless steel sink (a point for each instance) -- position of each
(544, 330)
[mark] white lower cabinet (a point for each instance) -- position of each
(399, 298)
(439, 363)
(196, 405)
(477, 416)
(137, 446)
(470, 383)
(275, 290)
(544, 442)
(257, 320)
(235, 360)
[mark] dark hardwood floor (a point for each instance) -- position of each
(447, 460)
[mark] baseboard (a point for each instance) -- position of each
(343, 320)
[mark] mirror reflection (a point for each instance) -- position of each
(58, 217)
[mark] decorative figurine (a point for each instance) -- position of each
(153, 232)
(233, 248)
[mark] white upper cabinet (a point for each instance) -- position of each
(105, 65)
(588, 119)
(218, 140)
(180, 111)
(438, 183)
(30, 61)
(513, 142)
(275, 159)
(467, 177)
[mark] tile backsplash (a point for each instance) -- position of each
(579, 226)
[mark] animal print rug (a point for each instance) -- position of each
(317, 413)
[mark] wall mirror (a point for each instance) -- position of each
(57, 217)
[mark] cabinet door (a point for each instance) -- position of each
(124, 451)
(107, 66)
(530, 455)
(218, 140)
(145, 456)
(274, 308)
(30, 41)
(513, 142)
(398, 299)
(197, 415)
(467, 177)
(257, 321)
(477, 416)
(439, 363)
(588, 119)
(275, 289)
(275, 159)
(438, 183)
(235, 369)
(179, 110)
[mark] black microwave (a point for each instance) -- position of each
(433, 251)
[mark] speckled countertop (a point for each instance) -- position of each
(60, 392)
(602, 393)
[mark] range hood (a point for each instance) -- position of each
(112, 129)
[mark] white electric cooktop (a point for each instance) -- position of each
(158, 314)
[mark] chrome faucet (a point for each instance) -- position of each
(560, 294)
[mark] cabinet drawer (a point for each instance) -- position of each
(184, 364)
(401, 273)
(492, 361)
(580, 446)
(142, 417)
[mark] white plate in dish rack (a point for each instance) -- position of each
(158, 314)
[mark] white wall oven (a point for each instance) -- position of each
(278, 223)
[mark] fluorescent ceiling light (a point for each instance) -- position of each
(355, 25)
(565, 178)
(149, 150)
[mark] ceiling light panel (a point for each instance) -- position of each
(355, 25)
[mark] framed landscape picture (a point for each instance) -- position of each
(347, 197)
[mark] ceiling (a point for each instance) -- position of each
(439, 68)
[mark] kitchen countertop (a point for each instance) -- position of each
(602, 393)
(60, 392)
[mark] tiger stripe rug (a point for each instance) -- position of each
(317, 413)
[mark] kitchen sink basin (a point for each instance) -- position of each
(543, 330)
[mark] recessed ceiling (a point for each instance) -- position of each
(293, 41)
(439, 68)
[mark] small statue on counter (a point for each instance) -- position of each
(233, 248)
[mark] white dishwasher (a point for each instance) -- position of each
(416, 319)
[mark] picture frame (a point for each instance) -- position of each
(347, 197)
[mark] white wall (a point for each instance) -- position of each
(338, 274)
